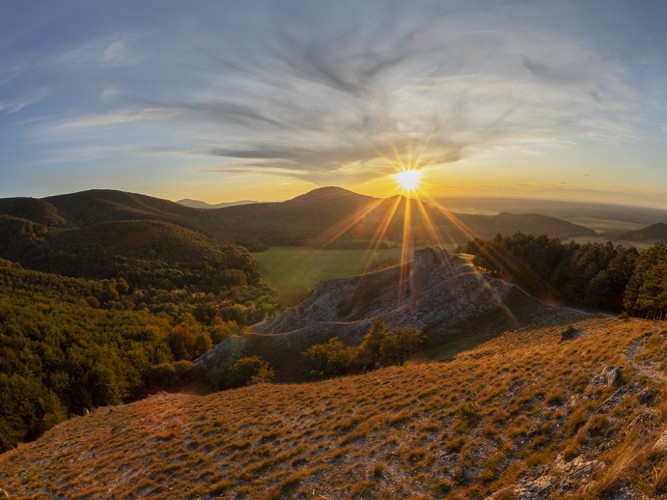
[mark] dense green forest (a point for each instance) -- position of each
(590, 275)
(646, 293)
(68, 343)
(107, 296)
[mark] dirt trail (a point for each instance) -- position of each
(650, 369)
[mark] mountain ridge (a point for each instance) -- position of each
(329, 216)
(202, 204)
(654, 232)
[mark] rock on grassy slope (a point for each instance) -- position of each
(524, 415)
(436, 292)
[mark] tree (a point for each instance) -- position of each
(331, 358)
(382, 347)
(646, 293)
(186, 344)
(244, 371)
(398, 345)
(370, 350)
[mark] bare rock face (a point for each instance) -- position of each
(610, 376)
(435, 292)
(647, 397)
(433, 289)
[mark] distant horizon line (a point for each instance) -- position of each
(439, 198)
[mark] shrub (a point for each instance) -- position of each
(244, 371)
(382, 347)
(332, 358)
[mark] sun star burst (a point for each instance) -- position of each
(408, 179)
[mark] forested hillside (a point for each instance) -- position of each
(108, 295)
(585, 275)
(67, 344)
(646, 294)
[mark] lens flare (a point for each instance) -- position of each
(408, 179)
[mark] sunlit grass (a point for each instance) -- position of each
(468, 427)
(294, 271)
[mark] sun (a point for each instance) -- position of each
(408, 179)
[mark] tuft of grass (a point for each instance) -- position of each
(442, 488)
(660, 474)
(364, 489)
(455, 445)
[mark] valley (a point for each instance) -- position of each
(122, 318)
(305, 249)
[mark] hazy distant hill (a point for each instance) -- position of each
(330, 216)
(295, 222)
(105, 205)
(202, 204)
(336, 217)
(652, 233)
(525, 415)
(568, 210)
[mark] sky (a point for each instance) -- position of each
(226, 100)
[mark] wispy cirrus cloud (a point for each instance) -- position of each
(108, 51)
(125, 116)
(335, 92)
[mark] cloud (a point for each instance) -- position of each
(345, 91)
(22, 101)
(114, 118)
(334, 96)
(105, 52)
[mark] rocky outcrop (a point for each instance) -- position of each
(558, 479)
(436, 293)
(610, 376)
(434, 290)
(570, 333)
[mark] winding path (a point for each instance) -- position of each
(650, 369)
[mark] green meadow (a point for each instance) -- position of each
(294, 271)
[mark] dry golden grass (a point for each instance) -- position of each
(482, 423)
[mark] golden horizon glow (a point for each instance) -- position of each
(408, 179)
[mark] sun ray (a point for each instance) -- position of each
(471, 235)
(430, 227)
(407, 250)
(332, 234)
(380, 232)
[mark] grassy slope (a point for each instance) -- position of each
(294, 271)
(480, 423)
